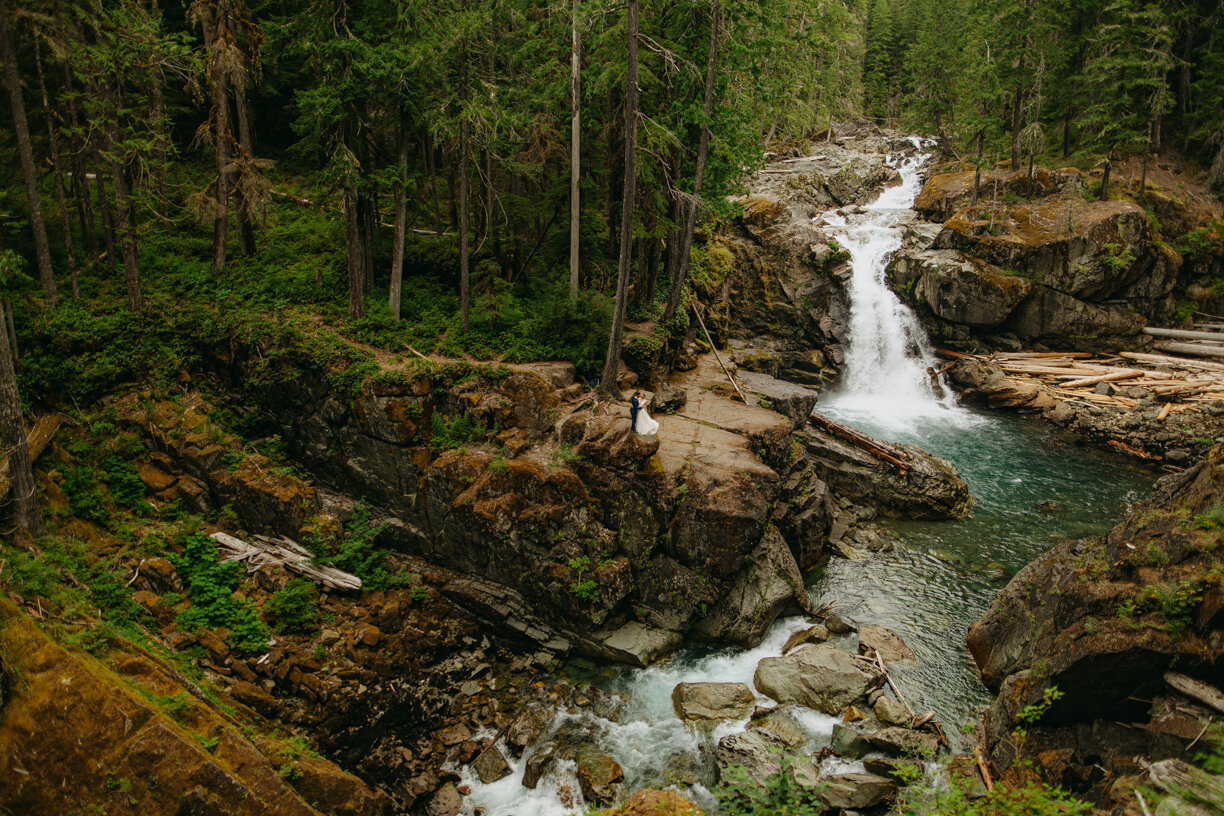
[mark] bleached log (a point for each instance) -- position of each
(1173, 362)
(283, 552)
(1103, 378)
(1188, 348)
(1196, 689)
(1183, 779)
(1184, 334)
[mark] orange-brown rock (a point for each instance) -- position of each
(653, 802)
(75, 734)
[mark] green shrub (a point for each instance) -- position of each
(295, 609)
(780, 795)
(211, 587)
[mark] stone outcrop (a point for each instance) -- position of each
(1101, 620)
(1053, 268)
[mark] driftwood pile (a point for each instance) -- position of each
(1203, 340)
(282, 552)
(1178, 382)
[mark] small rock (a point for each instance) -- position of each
(712, 701)
(849, 743)
(813, 634)
(778, 724)
(902, 741)
(1049, 505)
(890, 712)
(526, 730)
(538, 765)
(905, 771)
(853, 714)
(1177, 456)
(838, 626)
(446, 802)
(856, 790)
(884, 642)
(599, 776)
(454, 735)
(491, 766)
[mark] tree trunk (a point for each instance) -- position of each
(1105, 180)
(25, 152)
(220, 93)
(401, 224)
(80, 184)
(575, 163)
(1017, 124)
(977, 175)
(53, 145)
(246, 146)
(1143, 178)
(24, 499)
(465, 135)
(356, 276)
(10, 330)
(108, 217)
(432, 167)
(160, 153)
(612, 363)
(1066, 146)
(365, 213)
(703, 150)
(127, 233)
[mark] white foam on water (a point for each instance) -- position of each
(888, 380)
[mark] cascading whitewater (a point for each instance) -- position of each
(887, 373)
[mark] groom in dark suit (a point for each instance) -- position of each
(634, 407)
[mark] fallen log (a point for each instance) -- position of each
(981, 762)
(1183, 779)
(283, 552)
(1209, 696)
(1184, 334)
(1188, 348)
(891, 455)
(1125, 448)
(37, 441)
(1103, 378)
(1164, 412)
(1173, 362)
(1038, 355)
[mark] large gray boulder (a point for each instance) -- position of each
(712, 701)
(759, 754)
(854, 791)
(886, 643)
(819, 676)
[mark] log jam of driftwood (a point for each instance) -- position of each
(283, 552)
(887, 453)
(37, 441)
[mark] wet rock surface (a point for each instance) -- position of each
(712, 701)
(817, 676)
(1085, 618)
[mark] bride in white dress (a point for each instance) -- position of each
(646, 426)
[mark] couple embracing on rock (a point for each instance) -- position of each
(639, 419)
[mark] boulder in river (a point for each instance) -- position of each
(890, 712)
(599, 775)
(712, 701)
(905, 742)
(779, 724)
(446, 802)
(853, 791)
(884, 642)
(904, 771)
(820, 677)
(758, 753)
(813, 634)
(848, 742)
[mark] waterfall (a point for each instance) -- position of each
(887, 381)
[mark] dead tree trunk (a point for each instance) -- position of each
(401, 225)
(703, 150)
(612, 363)
(25, 152)
(12, 427)
(57, 171)
(575, 136)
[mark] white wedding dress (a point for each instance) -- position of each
(645, 425)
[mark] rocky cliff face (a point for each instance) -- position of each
(136, 737)
(574, 533)
(1103, 620)
(1037, 262)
